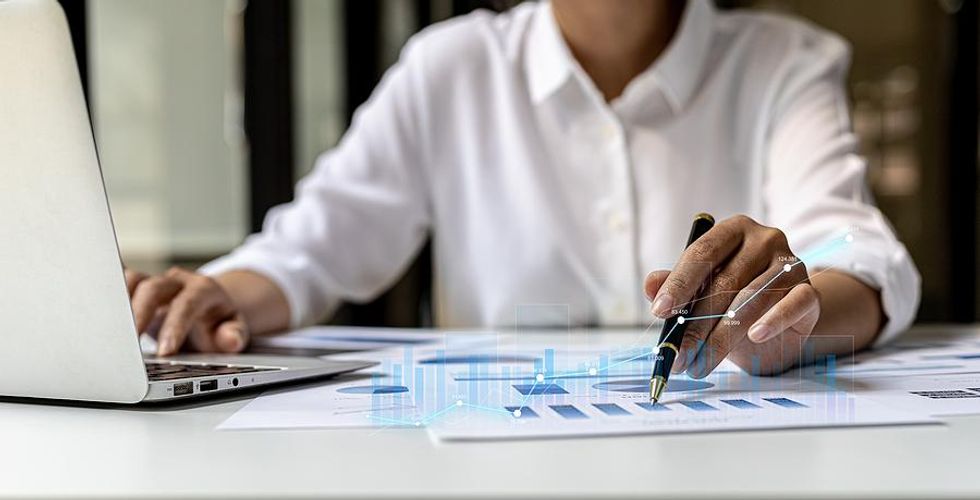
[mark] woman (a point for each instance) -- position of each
(556, 153)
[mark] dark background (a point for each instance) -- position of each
(913, 85)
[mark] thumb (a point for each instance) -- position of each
(232, 335)
(653, 282)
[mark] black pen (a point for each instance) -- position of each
(673, 331)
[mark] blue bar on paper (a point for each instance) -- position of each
(408, 366)
(831, 368)
(525, 412)
(502, 385)
(785, 402)
(538, 366)
(375, 399)
(568, 412)
(652, 406)
(741, 404)
(441, 396)
(396, 374)
(612, 409)
(473, 394)
(549, 361)
(698, 406)
(537, 389)
(419, 385)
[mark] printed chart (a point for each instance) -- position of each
(570, 416)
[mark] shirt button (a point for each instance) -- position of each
(609, 133)
(619, 310)
(618, 222)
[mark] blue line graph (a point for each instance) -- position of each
(829, 247)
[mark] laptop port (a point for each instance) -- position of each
(183, 388)
(208, 385)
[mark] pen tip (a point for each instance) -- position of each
(657, 385)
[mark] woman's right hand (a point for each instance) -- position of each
(183, 306)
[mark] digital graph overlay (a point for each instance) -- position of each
(833, 245)
(544, 381)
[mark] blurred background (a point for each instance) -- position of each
(207, 111)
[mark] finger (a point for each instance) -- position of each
(694, 337)
(186, 310)
(133, 278)
(149, 295)
(232, 336)
(653, 282)
(221, 329)
(729, 331)
(715, 303)
(201, 338)
(797, 312)
(153, 329)
(698, 262)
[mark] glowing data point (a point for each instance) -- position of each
(593, 371)
(459, 402)
(539, 377)
(730, 314)
(680, 320)
(517, 413)
(849, 238)
(787, 268)
(417, 423)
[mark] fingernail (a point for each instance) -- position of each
(662, 306)
(699, 373)
(678, 366)
(680, 362)
(166, 347)
(239, 343)
(761, 332)
(645, 291)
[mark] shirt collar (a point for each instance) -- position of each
(549, 62)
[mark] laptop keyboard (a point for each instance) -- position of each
(173, 370)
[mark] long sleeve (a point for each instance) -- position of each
(815, 189)
(359, 217)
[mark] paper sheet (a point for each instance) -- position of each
(339, 404)
(329, 340)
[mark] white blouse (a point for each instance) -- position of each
(547, 205)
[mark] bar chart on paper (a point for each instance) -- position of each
(568, 415)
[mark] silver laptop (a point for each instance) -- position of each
(66, 327)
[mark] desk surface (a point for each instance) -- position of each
(60, 450)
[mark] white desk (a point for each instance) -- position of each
(57, 450)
